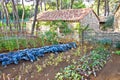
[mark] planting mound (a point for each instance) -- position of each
(34, 53)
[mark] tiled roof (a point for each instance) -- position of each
(66, 15)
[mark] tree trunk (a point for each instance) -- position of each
(16, 15)
(71, 4)
(61, 4)
(2, 17)
(98, 8)
(6, 14)
(57, 4)
(41, 5)
(35, 16)
(8, 17)
(105, 7)
(108, 9)
(45, 5)
(23, 14)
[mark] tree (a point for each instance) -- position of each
(106, 5)
(5, 8)
(35, 16)
(71, 4)
(15, 12)
(98, 7)
(23, 14)
(108, 9)
(57, 4)
(41, 5)
(60, 4)
(44, 5)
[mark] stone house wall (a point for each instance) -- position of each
(91, 20)
(93, 36)
(117, 20)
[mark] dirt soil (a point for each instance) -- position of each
(26, 70)
(111, 71)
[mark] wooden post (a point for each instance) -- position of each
(81, 31)
(82, 41)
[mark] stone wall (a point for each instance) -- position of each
(93, 36)
(117, 20)
(92, 20)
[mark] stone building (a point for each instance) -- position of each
(85, 16)
(117, 19)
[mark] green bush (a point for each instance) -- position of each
(51, 37)
(69, 73)
(109, 22)
(12, 44)
(23, 43)
(78, 4)
(85, 66)
(105, 42)
(8, 44)
(117, 52)
(117, 44)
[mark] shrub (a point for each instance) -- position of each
(69, 73)
(105, 41)
(117, 44)
(109, 22)
(117, 52)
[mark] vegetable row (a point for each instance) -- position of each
(34, 53)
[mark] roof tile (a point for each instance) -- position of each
(67, 15)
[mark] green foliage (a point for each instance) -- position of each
(53, 60)
(39, 68)
(94, 61)
(51, 5)
(22, 43)
(8, 44)
(85, 66)
(69, 73)
(109, 22)
(117, 44)
(27, 11)
(51, 37)
(42, 37)
(20, 11)
(105, 41)
(78, 4)
(48, 37)
(77, 53)
(2, 24)
(117, 52)
(64, 28)
(65, 4)
(13, 43)
(80, 28)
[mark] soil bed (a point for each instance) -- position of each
(26, 70)
(111, 70)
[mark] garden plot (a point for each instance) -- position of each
(34, 53)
